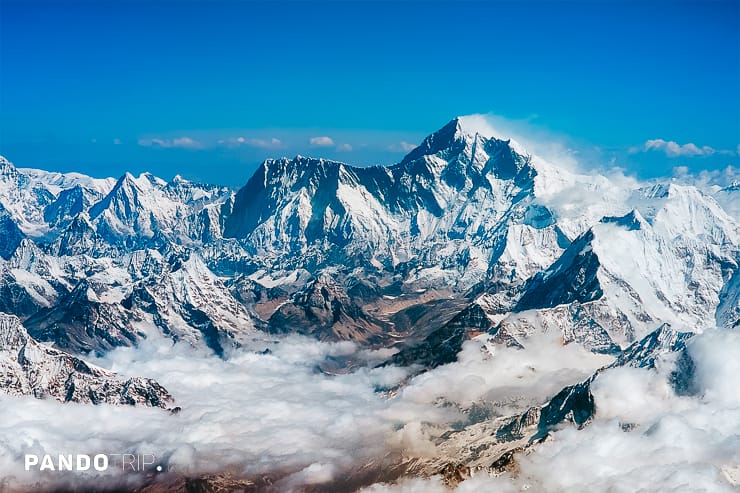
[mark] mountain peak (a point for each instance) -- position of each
(6, 167)
(476, 124)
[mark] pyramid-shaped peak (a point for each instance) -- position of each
(459, 133)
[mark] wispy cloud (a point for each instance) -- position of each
(177, 142)
(117, 142)
(402, 146)
(674, 149)
(706, 180)
(344, 147)
(322, 141)
(271, 143)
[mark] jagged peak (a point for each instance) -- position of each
(300, 166)
(633, 220)
(144, 181)
(301, 159)
(25, 246)
(5, 165)
(444, 138)
(460, 133)
(150, 178)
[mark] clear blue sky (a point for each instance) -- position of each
(105, 87)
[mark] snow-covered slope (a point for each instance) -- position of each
(447, 213)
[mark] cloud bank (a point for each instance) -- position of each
(644, 436)
(276, 414)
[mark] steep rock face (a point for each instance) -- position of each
(29, 280)
(442, 345)
(80, 238)
(627, 273)
(10, 233)
(68, 204)
(572, 278)
(728, 310)
(30, 368)
(190, 303)
(81, 323)
(325, 310)
(576, 404)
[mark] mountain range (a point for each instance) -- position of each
(468, 236)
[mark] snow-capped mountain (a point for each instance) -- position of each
(30, 368)
(457, 207)
(469, 235)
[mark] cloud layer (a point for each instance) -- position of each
(277, 415)
(644, 437)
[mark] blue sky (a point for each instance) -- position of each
(172, 87)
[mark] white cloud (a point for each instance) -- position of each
(344, 147)
(322, 141)
(271, 143)
(402, 146)
(117, 142)
(177, 142)
(185, 142)
(705, 179)
(674, 149)
(675, 443)
(274, 414)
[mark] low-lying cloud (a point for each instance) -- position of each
(644, 437)
(277, 415)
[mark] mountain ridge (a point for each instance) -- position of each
(464, 216)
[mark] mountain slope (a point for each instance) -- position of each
(30, 368)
